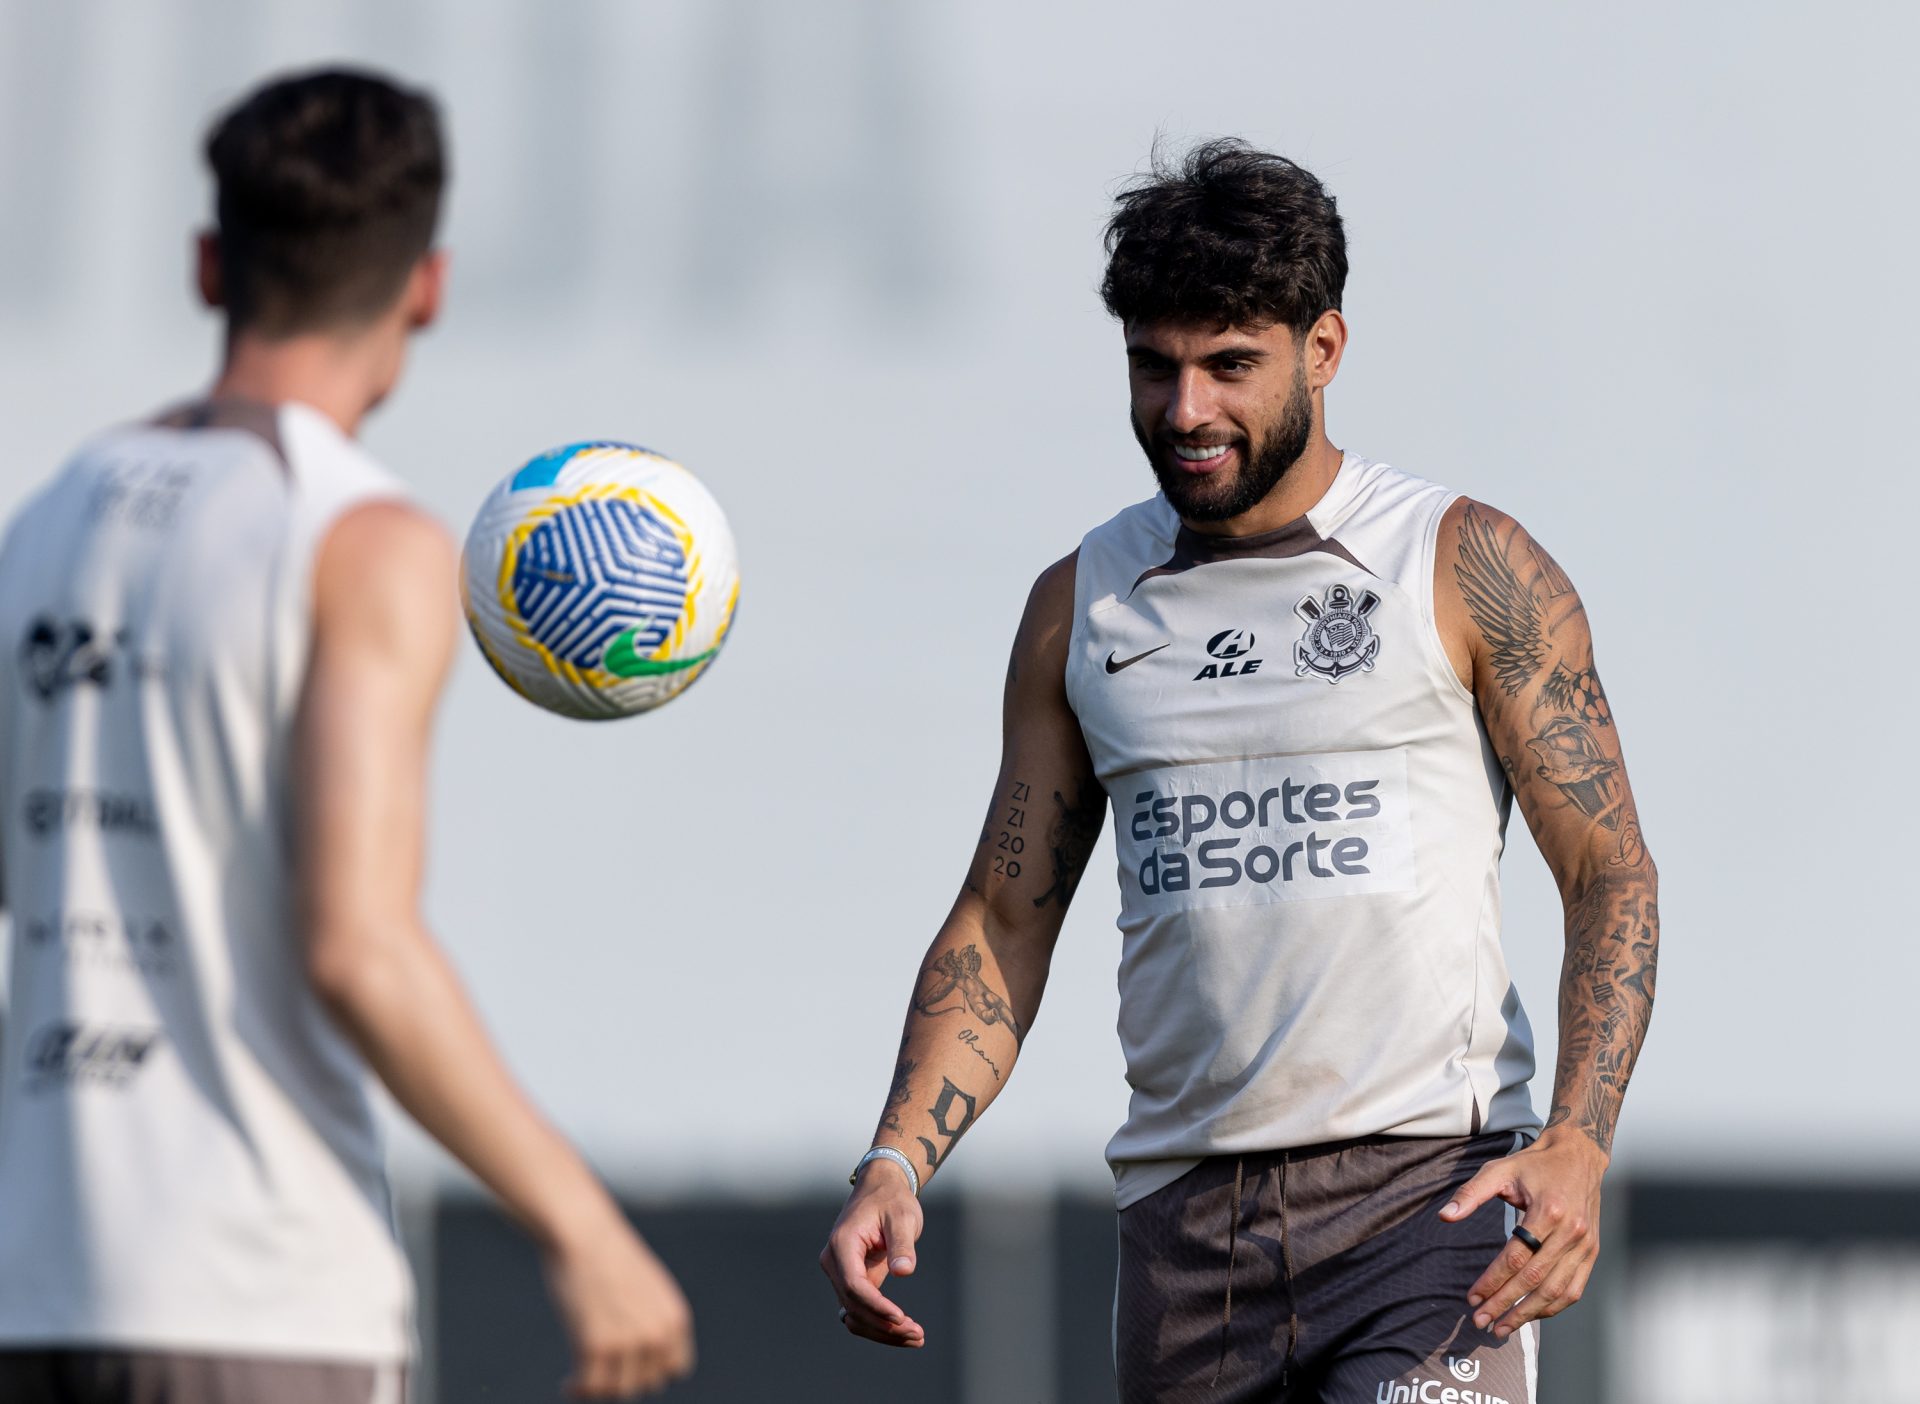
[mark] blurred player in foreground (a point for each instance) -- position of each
(225, 634)
(1310, 686)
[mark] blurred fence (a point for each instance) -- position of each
(1767, 1293)
(1708, 1293)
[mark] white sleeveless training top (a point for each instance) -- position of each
(188, 1156)
(1309, 821)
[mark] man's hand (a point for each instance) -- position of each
(1555, 1183)
(874, 1237)
(631, 1329)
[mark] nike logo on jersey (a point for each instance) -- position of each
(1114, 665)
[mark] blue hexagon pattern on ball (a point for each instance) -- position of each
(600, 580)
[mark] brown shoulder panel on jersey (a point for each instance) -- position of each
(260, 420)
(1296, 538)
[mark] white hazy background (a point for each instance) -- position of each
(1641, 276)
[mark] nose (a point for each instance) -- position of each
(1191, 405)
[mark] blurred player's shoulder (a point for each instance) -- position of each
(384, 585)
(390, 545)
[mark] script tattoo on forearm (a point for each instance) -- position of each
(1541, 657)
(952, 1112)
(952, 981)
(1071, 837)
(972, 1040)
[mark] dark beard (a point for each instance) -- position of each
(1201, 499)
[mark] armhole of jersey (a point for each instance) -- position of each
(1429, 560)
(313, 525)
(1074, 626)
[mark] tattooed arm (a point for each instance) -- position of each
(979, 987)
(1518, 634)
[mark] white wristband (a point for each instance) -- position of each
(888, 1153)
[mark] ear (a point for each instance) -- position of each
(206, 269)
(1326, 343)
(426, 288)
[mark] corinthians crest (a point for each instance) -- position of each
(1339, 640)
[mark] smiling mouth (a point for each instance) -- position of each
(1200, 457)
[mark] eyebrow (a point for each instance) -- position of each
(1224, 353)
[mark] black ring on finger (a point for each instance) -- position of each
(1521, 1232)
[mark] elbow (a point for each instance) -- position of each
(353, 968)
(1612, 862)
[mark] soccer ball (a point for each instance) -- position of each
(600, 580)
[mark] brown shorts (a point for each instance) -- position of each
(97, 1376)
(1317, 1276)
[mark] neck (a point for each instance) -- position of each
(1297, 493)
(343, 377)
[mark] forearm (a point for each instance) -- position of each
(402, 1006)
(974, 999)
(1606, 990)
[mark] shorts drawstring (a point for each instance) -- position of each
(1286, 1266)
(1233, 1253)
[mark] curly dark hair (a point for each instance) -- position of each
(328, 189)
(1228, 234)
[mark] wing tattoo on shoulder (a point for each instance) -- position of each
(1502, 606)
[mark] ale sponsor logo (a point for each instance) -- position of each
(1231, 647)
(1247, 832)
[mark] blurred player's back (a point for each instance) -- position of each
(223, 636)
(173, 1080)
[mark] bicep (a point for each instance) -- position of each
(1539, 691)
(1048, 806)
(382, 642)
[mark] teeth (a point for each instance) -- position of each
(1203, 454)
